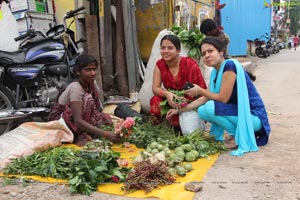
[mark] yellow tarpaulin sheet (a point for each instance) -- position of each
(173, 191)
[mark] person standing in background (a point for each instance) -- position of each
(295, 41)
(209, 28)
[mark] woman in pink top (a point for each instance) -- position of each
(295, 41)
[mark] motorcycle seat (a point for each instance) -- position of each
(16, 57)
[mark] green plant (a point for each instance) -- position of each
(191, 38)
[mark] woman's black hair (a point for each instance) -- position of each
(174, 39)
(84, 60)
(220, 46)
(214, 41)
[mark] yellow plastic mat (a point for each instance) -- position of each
(173, 191)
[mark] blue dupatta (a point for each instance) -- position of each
(244, 134)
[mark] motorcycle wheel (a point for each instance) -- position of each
(260, 53)
(7, 101)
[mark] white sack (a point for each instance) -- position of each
(30, 137)
(8, 30)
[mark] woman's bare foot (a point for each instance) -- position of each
(82, 139)
(230, 142)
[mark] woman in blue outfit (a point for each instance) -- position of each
(231, 103)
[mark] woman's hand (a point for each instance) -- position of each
(170, 97)
(112, 137)
(194, 91)
(171, 113)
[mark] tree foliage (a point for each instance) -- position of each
(295, 16)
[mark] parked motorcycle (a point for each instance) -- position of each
(271, 44)
(32, 77)
(261, 48)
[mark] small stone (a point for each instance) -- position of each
(13, 194)
(221, 186)
(193, 186)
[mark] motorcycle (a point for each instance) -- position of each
(260, 48)
(32, 77)
(271, 44)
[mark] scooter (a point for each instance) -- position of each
(32, 77)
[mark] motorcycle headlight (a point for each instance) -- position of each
(50, 34)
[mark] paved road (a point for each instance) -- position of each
(273, 172)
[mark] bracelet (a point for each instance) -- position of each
(105, 134)
(161, 93)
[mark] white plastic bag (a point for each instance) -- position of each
(190, 121)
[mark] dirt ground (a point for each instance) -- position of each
(271, 173)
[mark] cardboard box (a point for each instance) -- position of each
(42, 6)
(35, 20)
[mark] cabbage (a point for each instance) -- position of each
(180, 154)
(188, 166)
(172, 171)
(180, 170)
(186, 147)
(196, 153)
(153, 145)
(190, 157)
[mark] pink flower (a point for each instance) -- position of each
(128, 123)
(122, 162)
(124, 127)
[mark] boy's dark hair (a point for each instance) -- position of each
(174, 39)
(208, 25)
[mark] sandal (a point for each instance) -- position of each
(230, 143)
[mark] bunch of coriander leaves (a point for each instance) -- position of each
(164, 105)
(84, 169)
(145, 133)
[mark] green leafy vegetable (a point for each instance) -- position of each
(191, 38)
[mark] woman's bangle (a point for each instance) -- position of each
(105, 135)
(161, 93)
(178, 111)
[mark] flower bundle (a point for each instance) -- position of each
(124, 128)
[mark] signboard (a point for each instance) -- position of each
(18, 5)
